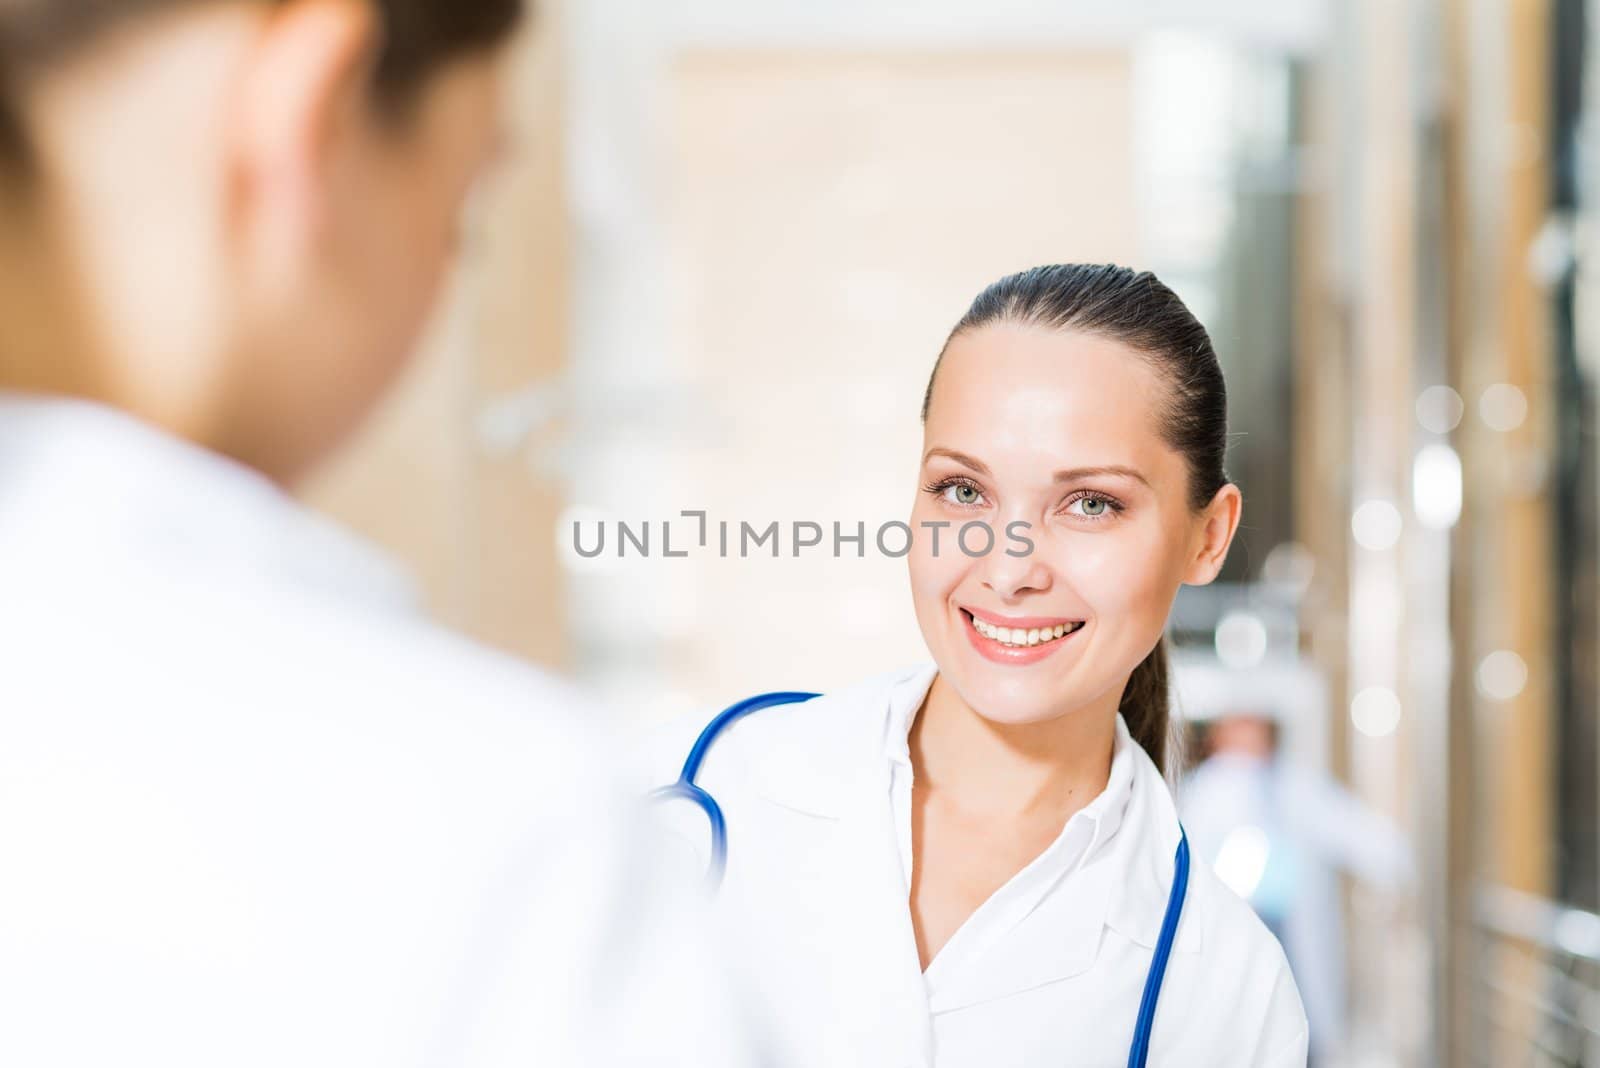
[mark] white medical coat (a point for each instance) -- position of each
(817, 896)
(255, 811)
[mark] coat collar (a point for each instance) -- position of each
(1123, 889)
(827, 758)
(1145, 864)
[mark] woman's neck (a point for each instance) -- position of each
(1054, 765)
(63, 337)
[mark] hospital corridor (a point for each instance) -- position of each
(743, 312)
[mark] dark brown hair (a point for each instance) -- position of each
(419, 36)
(1135, 308)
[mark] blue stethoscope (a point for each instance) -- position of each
(686, 789)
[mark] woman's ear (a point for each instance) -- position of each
(306, 77)
(1211, 535)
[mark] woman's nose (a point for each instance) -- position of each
(1011, 576)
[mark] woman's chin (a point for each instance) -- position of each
(1008, 701)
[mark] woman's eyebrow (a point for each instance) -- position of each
(1069, 474)
(959, 457)
(1072, 474)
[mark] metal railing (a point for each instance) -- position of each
(1535, 981)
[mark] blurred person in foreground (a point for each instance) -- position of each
(1279, 834)
(253, 809)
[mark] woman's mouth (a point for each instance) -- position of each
(1018, 641)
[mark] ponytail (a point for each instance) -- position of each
(1145, 707)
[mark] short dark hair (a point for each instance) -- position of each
(1137, 309)
(419, 36)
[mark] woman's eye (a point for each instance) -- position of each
(963, 494)
(1100, 508)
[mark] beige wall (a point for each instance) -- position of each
(831, 215)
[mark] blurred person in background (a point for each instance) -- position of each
(973, 863)
(255, 810)
(1279, 834)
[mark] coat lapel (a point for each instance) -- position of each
(1059, 939)
(1145, 863)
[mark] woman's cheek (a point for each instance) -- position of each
(931, 573)
(1094, 568)
(933, 578)
(1116, 574)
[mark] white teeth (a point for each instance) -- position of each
(1020, 638)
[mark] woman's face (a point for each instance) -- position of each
(1051, 436)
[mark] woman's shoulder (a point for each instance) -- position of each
(1244, 965)
(1232, 928)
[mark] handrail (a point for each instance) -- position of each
(1532, 918)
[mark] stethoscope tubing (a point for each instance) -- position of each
(685, 788)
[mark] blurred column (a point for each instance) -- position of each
(1383, 745)
(1501, 592)
(1365, 343)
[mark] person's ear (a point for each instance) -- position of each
(303, 86)
(1212, 534)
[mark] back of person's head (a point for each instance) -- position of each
(231, 217)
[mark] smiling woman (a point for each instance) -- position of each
(999, 876)
(1142, 424)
